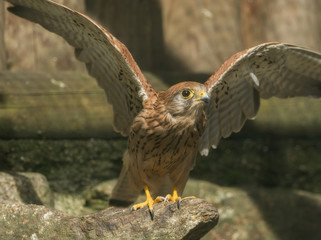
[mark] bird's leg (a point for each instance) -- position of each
(175, 197)
(149, 202)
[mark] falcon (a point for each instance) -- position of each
(167, 129)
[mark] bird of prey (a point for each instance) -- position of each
(167, 129)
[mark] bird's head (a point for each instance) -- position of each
(185, 99)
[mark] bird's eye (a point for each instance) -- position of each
(187, 94)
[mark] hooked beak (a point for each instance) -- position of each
(203, 97)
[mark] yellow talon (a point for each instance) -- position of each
(149, 203)
(175, 197)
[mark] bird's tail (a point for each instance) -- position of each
(123, 193)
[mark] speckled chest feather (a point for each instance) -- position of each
(158, 143)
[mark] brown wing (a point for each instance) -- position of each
(267, 70)
(106, 58)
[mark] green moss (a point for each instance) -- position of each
(76, 165)
(290, 163)
(69, 165)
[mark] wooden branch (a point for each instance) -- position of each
(193, 220)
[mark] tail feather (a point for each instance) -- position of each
(123, 194)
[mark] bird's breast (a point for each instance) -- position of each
(157, 145)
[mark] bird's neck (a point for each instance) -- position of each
(193, 121)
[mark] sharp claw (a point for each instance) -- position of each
(179, 203)
(132, 209)
(151, 212)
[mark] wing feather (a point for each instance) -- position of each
(267, 70)
(106, 58)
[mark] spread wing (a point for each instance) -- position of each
(106, 58)
(267, 70)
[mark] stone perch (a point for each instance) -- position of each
(192, 221)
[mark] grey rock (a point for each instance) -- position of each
(29, 188)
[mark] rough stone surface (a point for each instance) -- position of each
(191, 221)
(25, 188)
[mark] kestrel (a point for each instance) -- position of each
(167, 129)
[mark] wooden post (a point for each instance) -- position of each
(138, 24)
(293, 21)
(3, 61)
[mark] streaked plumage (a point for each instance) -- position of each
(167, 129)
